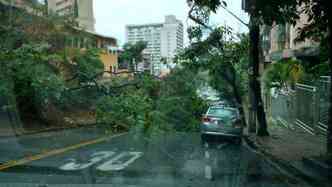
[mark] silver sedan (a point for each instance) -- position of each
(222, 121)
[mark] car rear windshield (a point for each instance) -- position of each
(221, 112)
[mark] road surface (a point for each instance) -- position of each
(162, 160)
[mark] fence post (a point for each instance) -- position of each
(316, 109)
(292, 109)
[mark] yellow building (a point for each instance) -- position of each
(108, 45)
(109, 55)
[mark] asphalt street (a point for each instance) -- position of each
(173, 159)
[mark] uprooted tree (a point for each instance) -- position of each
(225, 56)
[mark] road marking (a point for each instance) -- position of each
(208, 172)
(56, 152)
(207, 155)
(116, 165)
(220, 146)
(95, 157)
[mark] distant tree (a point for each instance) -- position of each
(284, 74)
(132, 54)
(87, 64)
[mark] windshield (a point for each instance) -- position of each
(220, 112)
(190, 93)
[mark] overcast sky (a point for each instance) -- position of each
(112, 15)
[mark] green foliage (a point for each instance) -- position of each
(123, 110)
(131, 53)
(211, 4)
(321, 69)
(32, 82)
(318, 17)
(225, 58)
(33, 63)
(286, 73)
(150, 85)
(264, 11)
(179, 102)
(154, 105)
(87, 65)
(317, 29)
(324, 50)
(28, 67)
(283, 74)
(19, 27)
(195, 32)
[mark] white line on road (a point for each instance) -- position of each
(207, 155)
(96, 157)
(115, 164)
(220, 146)
(208, 172)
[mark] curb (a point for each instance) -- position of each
(282, 166)
(55, 129)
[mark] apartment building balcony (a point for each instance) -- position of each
(278, 42)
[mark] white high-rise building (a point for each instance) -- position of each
(83, 9)
(163, 40)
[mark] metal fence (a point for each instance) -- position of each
(282, 108)
(324, 102)
(306, 106)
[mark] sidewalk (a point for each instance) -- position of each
(289, 148)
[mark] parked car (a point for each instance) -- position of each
(220, 103)
(222, 121)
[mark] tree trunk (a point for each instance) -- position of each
(240, 107)
(329, 129)
(257, 102)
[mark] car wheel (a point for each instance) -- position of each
(238, 141)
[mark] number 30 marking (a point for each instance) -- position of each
(115, 164)
(96, 157)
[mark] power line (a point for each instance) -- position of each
(235, 16)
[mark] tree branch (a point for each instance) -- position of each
(235, 16)
(196, 20)
(102, 87)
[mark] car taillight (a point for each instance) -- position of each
(237, 124)
(206, 119)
